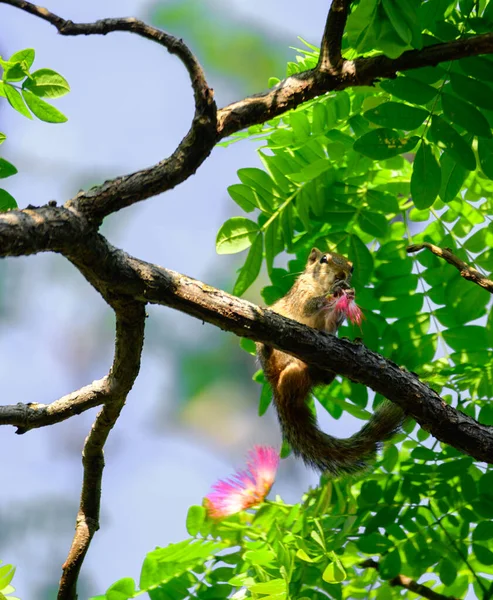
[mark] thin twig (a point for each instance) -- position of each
(33, 415)
(408, 583)
(465, 270)
(130, 320)
(331, 44)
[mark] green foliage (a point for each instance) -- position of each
(24, 91)
(7, 573)
(367, 172)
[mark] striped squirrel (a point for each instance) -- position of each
(325, 274)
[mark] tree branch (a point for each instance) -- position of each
(106, 267)
(408, 583)
(209, 127)
(465, 270)
(102, 391)
(130, 320)
(331, 44)
(304, 86)
(114, 273)
(174, 45)
(102, 200)
(33, 415)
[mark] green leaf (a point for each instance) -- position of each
(384, 143)
(390, 458)
(483, 531)
(244, 196)
(448, 138)
(422, 453)
(7, 202)
(334, 572)
(312, 171)
(263, 184)
(7, 573)
(465, 115)
(397, 20)
(426, 178)
(485, 153)
(390, 565)
(121, 590)
(250, 270)
(47, 84)
(259, 557)
(486, 484)
(474, 91)
(476, 66)
(235, 235)
(3, 137)
(374, 543)
(397, 115)
(6, 169)
(362, 260)
(382, 202)
(467, 337)
(361, 26)
(43, 110)
(447, 572)
(265, 399)
(16, 102)
(483, 554)
(14, 71)
(26, 55)
(274, 586)
(409, 89)
(486, 415)
(195, 519)
(248, 346)
(453, 176)
(163, 564)
(371, 492)
(373, 223)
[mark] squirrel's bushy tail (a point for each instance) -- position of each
(330, 454)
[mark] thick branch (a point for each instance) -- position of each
(298, 88)
(408, 583)
(107, 268)
(130, 320)
(331, 44)
(465, 270)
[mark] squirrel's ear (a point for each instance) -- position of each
(315, 254)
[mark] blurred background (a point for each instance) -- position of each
(192, 414)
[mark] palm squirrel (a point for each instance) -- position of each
(326, 274)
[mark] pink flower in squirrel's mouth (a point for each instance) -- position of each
(245, 488)
(345, 304)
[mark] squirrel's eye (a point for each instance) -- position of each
(351, 269)
(323, 259)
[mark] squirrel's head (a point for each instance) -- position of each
(328, 269)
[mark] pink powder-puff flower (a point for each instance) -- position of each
(346, 305)
(245, 488)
